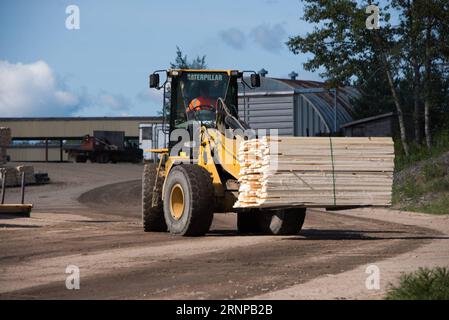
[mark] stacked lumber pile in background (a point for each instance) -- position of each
(5, 140)
(10, 177)
(315, 172)
(29, 174)
(14, 175)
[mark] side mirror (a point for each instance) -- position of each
(154, 80)
(255, 80)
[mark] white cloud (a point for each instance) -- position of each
(114, 102)
(234, 37)
(151, 95)
(104, 104)
(270, 38)
(33, 90)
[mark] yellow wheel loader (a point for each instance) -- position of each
(197, 175)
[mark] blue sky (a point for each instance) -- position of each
(102, 68)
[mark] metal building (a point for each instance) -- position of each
(296, 107)
(43, 139)
(382, 125)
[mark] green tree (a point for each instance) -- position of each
(375, 95)
(412, 56)
(182, 62)
(343, 46)
(423, 29)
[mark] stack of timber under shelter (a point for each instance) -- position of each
(13, 175)
(281, 172)
(29, 174)
(11, 179)
(5, 139)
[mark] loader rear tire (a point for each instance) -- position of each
(152, 217)
(281, 222)
(189, 200)
(247, 221)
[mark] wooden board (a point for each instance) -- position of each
(315, 171)
(16, 209)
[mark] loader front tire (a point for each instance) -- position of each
(188, 200)
(152, 217)
(281, 222)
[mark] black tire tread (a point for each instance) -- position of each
(152, 217)
(202, 199)
(291, 224)
(247, 221)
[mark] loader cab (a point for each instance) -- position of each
(195, 96)
(198, 96)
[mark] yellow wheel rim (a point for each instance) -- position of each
(177, 202)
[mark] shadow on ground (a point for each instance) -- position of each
(335, 234)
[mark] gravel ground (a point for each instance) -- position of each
(90, 217)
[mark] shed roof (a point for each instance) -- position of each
(369, 119)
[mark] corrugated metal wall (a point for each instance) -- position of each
(308, 122)
(72, 127)
(291, 114)
(23, 154)
(271, 111)
(294, 107)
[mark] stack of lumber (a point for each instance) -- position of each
(14, 175)
(5, 136)
(10, 176)
(280, 172)
(5, 139)
(2, 155)
(29, 174)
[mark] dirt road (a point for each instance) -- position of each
(90, 217)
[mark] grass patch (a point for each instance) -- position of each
(438, 206)
(439, 185)
(424, 187)
(428, 196)
(424, 284)
(421, 152)
(433, 171)
(410, 188)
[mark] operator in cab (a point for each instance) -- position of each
(203, 101)
(203, 107)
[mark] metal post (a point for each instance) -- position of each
(23, 187)
(244, 103)
(46, 149)
(61, 158)
(3, 175)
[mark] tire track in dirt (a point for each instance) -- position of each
(118, 260)
(224, 264)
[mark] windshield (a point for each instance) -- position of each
(197, 95)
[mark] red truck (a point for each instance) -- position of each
(104, 147)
